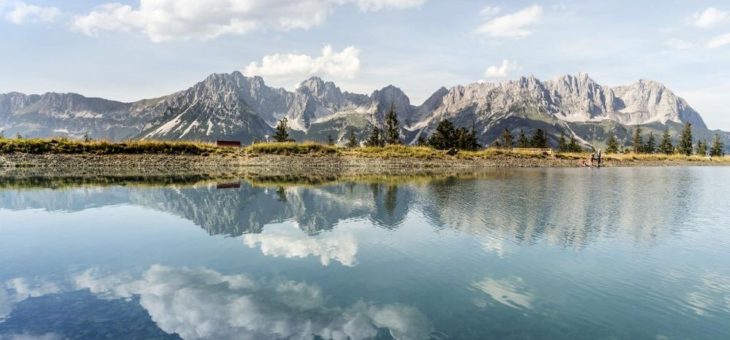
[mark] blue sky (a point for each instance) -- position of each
(136, 49)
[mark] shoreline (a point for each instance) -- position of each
(238, 163)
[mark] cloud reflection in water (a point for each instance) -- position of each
(205, 304)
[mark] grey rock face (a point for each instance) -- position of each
(71, 114)
(233, 106)
(572, 99)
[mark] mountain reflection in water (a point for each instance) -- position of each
(534, 205)
(506, 254)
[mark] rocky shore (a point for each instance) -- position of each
(217, 165)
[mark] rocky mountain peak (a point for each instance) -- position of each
(393, 96)
(324, 90)
(236, 106)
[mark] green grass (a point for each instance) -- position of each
(396, 151)
(66, 146)
(291, 148)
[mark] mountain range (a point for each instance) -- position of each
(234, 106)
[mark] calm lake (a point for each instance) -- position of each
(629, 253)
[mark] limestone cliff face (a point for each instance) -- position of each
(572, 99)
(233, 106)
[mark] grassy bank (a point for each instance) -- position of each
(392, 152)
(66, 146)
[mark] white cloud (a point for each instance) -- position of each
(338, 247)
(513, 25)
(163, 20)
(503, 70)
(489, 11)
(719, 41)
(202, 303)
(710, 17)
(344, 64)
(21, 12)
(679, 44)
(509, 292)
(710, 295)
(375, 5)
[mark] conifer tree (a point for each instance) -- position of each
(392, 133)
(702, 148)
(685, 140)
(718, 147)
(330, 141)
(562, 144)
(282, 131)
(444, 137)
(375, 139)
(507, 139)
(666, 146)
(351, 140)
(466, 139)
(422, 141)
(522, 141)
(638, 140)
(573, 145)
(539, 139)
(612, 144)
(650, 146)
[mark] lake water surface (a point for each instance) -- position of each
(632, 253)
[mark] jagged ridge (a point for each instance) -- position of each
(233, 106)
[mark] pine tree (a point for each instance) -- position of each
(507, 139)
(522, 141)
(466, 139)
(562, 144)
(685, 140)
(444, 137)
(573, 145)
(2, 134)
(666, 146)
(87, 138)
(422, 141)
(282, 131)
(612, 144)
(351, 141)
(650, 146)
(638, 141)
(375, 139)
(392, 133)
(330, 141)
(718, 147)
(539, 139)
(702, 148)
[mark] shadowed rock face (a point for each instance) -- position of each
(233, 106)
